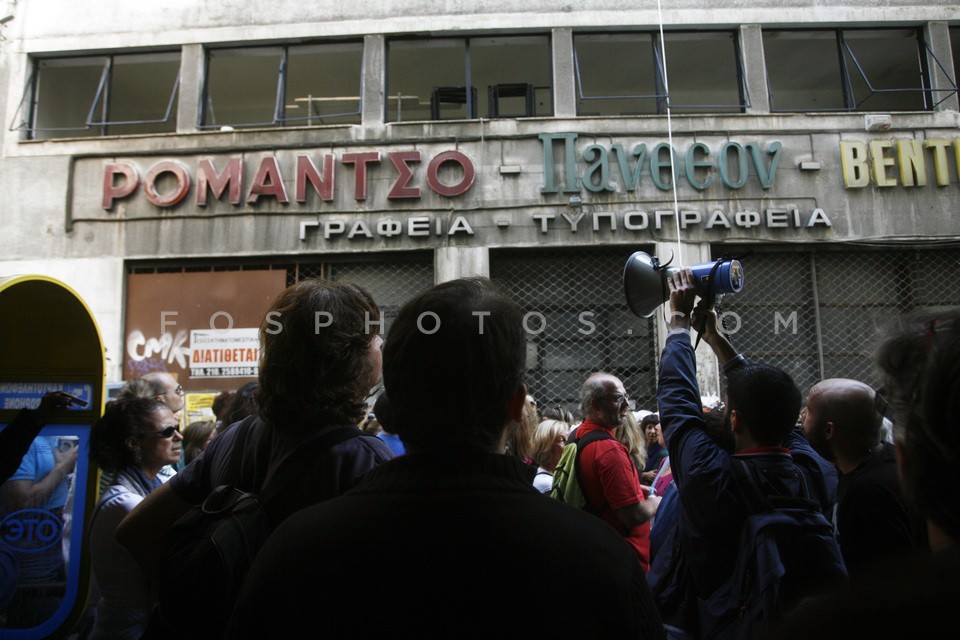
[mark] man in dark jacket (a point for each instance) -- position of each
(872, 519)
(762, 408)
(453, 534)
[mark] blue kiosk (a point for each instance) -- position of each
(49, 341)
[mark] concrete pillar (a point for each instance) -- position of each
(564, 88)
(191, 88)
(374, 80)
(708, 370)
(451, 263)
(937, 37)
(754, 68)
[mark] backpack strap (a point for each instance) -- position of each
(749, 486)
(582, 442)
(235, 462)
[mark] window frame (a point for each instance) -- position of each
(280, 117)
(661, 97)
(30, 100)
(846, 53)
(472, 96)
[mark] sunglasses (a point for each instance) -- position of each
(166, 432)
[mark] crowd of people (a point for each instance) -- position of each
(434, 489)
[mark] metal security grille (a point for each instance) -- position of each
(819, 313)
(577, 322)
(390, 283)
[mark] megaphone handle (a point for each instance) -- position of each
(703, 325)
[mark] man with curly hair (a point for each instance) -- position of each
(320, 356)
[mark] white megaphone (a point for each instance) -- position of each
(645, 280)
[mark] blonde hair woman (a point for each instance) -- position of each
(629, 435)
(549, 438)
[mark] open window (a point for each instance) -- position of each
(955, 48)
(623, 73)
(315, 84)
(427, 78)
(100, 95)
(851, 70)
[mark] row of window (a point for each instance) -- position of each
(637, 73)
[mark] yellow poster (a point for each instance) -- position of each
(199, 407)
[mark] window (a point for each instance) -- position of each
(101, 95)
(283, 86)
(622, 74)
(955, 48)
(507, 76)
(849, 70)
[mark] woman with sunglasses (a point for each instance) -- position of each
(134, 439)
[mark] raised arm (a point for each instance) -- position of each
(721, 346)
(678, 395)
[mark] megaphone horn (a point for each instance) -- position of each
(645, 280)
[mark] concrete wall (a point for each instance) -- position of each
(59, 25)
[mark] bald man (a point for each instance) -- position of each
(871, 519)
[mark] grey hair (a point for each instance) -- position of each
(140, 388)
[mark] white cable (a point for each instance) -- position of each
(673, 169)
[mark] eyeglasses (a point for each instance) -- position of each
(619, 397)
(166, 432)
(178, 390)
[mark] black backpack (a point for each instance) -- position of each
(787, 551)
(207, 553)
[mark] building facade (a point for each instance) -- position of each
(178, 165)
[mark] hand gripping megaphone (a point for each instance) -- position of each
(645, 280)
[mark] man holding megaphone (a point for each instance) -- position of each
(762, 407)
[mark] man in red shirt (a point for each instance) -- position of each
(609, 479)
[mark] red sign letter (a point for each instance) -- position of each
(150, 183)
(307, 172)
(361, 160)
(208, 178)
(433, 169)
(263, 187)
(112, 191)
(401, 160)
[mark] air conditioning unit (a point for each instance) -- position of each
(877, 122)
